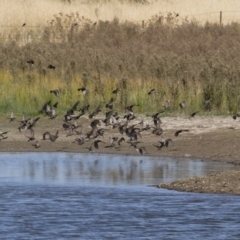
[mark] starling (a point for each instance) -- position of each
(56, 92)
(30, 62)
(83, 90)
(179, 131)
(193, 114)
(50, 66)
(151, 91)
(31, 137)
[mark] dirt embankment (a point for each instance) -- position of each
(227, 182)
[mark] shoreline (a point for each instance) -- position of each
(208, 139)
(225, 182)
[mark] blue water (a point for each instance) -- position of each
(86, 196)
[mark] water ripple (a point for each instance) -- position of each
(40, 201)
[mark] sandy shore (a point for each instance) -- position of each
(209, 138)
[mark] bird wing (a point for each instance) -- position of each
(177, 132)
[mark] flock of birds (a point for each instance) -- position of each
(125, 131)
(119, 128)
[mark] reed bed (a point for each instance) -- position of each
(187, 62)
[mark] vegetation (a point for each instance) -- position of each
(183, 62)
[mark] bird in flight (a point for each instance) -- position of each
(182, 105)
(120, 140)
(141, 150)
(56, 92)
(151, 91)
(2, 135)
(30, 62)
(180, 131)
(50, 66)
(49, 136)
(12, 117)
(95, 145)
(193, 114)
(116, 90)
(31, 137)
(83, 90)
(36, 145)
(167, 142)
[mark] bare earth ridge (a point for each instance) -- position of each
(209, 138)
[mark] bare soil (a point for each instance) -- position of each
(209, 139)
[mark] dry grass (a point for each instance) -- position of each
(39, 12)
(185, 61)
(188, 62)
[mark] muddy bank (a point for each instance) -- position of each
(208, 138)
(227, 182)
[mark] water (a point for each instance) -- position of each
(86, 196)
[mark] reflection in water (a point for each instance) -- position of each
(101, 169)
(52, 196)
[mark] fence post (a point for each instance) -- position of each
(220, 17)
(143, 24)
